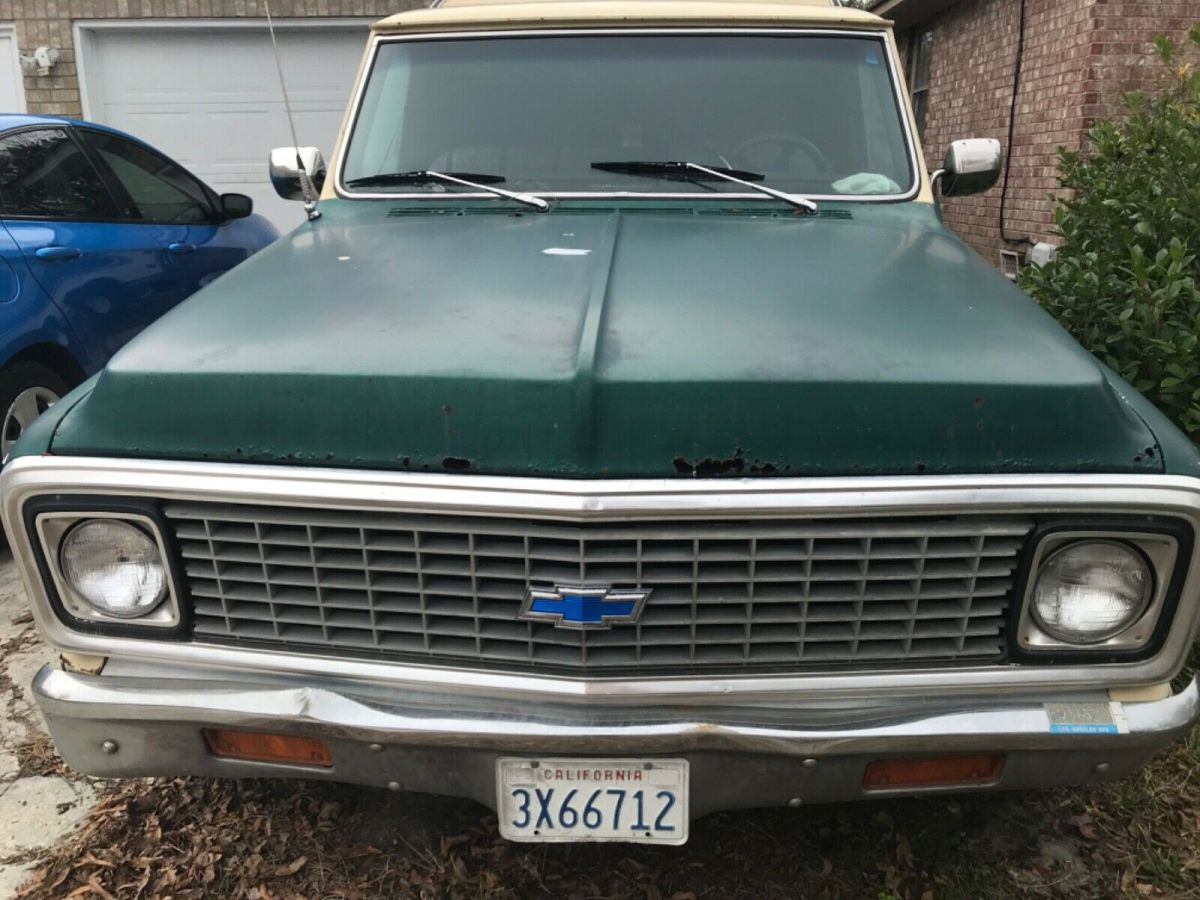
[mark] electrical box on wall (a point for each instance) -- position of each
(1042, 253)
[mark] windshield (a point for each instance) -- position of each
(811, 114)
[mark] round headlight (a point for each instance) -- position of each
(114, 566)
(1090, 591)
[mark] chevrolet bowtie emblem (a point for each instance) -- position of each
(583, 607)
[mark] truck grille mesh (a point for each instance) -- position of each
(782, 594)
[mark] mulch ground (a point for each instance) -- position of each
(271, 840)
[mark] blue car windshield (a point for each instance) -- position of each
(809, 113)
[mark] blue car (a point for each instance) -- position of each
(100, 235)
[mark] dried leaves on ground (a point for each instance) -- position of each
(276, 840)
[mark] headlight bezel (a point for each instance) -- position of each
(121, 528)
(1098, 638)
(52, 521)
(1165, 543)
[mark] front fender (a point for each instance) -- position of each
(37, 437)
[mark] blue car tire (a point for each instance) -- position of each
(27, 389)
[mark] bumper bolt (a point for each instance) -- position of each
(375, 748)
(1101, 768)
(109, 747)
(809, 763)
(393, 785)
(795, 802)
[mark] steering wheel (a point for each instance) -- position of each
(784, 144)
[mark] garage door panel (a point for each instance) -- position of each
(230, 60)
(209, 97)
(180, 127)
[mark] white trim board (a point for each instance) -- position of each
(13, 65)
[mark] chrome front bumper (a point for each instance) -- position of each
(741, 756)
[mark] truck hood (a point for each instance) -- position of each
(594, 342)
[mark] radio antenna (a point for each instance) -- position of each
(306, 185)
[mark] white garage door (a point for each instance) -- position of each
(208, 94)
(12, 93)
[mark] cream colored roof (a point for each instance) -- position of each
(494, 14)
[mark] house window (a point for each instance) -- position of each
(922, 49)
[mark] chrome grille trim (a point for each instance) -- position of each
(784, 593)
(93, 479)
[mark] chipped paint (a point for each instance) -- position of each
(677, 340)
(710, 467)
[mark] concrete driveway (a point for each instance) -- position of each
(38, 805)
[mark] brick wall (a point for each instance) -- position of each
(1079, 57)
(971, 82)
(1121, 51)
(48, 23)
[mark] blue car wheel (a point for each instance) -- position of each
(27, 389)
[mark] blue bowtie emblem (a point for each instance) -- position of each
(583, 607)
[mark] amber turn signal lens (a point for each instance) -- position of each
(262, 747)
(936, 771)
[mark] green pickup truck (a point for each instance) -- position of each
(623, 438)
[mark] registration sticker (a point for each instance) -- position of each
(1086, 718)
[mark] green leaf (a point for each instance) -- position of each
(1125, 281)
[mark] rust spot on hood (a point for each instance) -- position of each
(710, 467)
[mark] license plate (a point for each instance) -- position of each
(636, 800)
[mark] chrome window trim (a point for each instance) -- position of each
(623, 499)
(377, 40)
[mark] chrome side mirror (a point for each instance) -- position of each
(285, 171)
(971, 166)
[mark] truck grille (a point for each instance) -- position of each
(776, 594)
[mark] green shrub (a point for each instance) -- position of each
(1125, 281)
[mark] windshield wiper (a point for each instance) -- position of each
(421, 177)
(676, 171)
(484, 183)
(690, 171)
